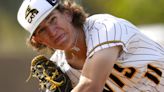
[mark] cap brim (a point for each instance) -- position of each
(41, 19)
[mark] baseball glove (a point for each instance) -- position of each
(49, 75)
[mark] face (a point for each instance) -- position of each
(56, 31)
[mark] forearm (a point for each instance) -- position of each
(87, 85)
(85, 88)
(80, 88)
(96, 70)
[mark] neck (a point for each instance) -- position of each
(76, 58)
(80, 45)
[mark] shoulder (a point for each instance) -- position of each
(101, 18)
(106, 20)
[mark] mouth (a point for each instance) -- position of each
(60, 39)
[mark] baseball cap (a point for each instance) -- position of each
(32, 12)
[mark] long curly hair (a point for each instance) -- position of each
(78, 18)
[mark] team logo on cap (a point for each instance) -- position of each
(30, 14)
(53, 2)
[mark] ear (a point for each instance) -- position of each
(68, 15)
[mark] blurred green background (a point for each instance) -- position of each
(15, 56)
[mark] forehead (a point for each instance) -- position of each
(54, 13)
(47, 18)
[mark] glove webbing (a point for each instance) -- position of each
(46, 72)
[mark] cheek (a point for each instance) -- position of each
(70, 39)
(48, 42)
(42, 41)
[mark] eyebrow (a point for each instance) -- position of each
(43, 20)
(37, 28)
(49, 16)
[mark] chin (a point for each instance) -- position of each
(76, 67)
(61, 48)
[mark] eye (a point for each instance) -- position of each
(52, 20)
(41, 30)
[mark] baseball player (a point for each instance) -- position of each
(100, 53)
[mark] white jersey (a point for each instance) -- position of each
(140, 66)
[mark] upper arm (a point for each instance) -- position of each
(105, 38)
(97, 69)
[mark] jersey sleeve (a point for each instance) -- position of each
(59, 58)
(108, 33)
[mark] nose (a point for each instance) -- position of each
(50, 30)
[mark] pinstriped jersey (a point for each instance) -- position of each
(140, 65)
(104, 31)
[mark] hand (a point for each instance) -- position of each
(50, 75)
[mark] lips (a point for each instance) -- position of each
(60, 39)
